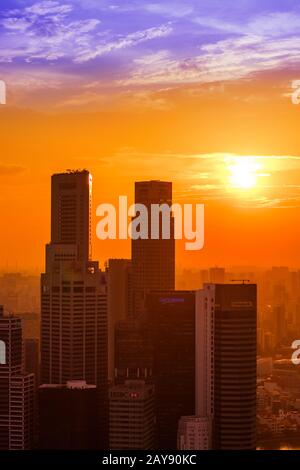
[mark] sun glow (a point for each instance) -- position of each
(243, 172)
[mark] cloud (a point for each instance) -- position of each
(166, 9)
(39, 88)
(266, 42)
(275, 24)
(229, 59)
(44, 31)
(272, 24)
(84, 99)
(49, 30)
(129, 40)
(174, 9)
(145, 99)
(10, 170)
(48, 7)
(218, 24)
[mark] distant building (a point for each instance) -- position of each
(20, 293)
(264, 367)
(31, 325)
(194, 433)
(16, 389)
(286, 374)
(132, 416)
(68, 416)
(217, 275)
(280, 323)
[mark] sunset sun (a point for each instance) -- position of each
(243, 172)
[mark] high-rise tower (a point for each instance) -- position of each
(226, 363)
(74, 294)
(153, 260)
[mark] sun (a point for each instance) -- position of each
(243, 172)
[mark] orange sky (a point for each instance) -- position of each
(181, 135)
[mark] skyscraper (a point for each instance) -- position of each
(74, 295)
(171, 319)
(16, 389)
(226, 363)
(132, 416)
(153, 260)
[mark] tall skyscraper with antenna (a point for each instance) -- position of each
(74, 294)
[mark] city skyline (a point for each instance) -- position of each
(149, 243)
(186, 346)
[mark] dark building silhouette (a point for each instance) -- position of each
(32, 366)
(280, 321)
(16, 389)
(119, 302)
(74, 330)
(133, 351)
(226, 363)
(132, 416)
(153, 260)
(68, 418)
(171, 319)
(32, 358)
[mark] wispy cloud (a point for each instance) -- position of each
(272, 24)
(48, 7)
(10, 170)
(44, 31)
(171, 9)
(128, 40)
(50, 30)
(228, 59)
